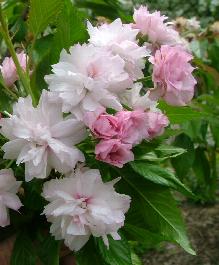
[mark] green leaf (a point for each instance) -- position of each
(119, 252)
(196, 130)
(23, 251)
(135, 259)
(169, 151)
(42, 13)
(48, 250)
(215, 133)
(33, 199)
(183, 163)
(160, 176)
(158, 210)
(5, 101)
(105, 8)
(41, 60)
(201, 167)
(160, 153)
(178, 115)
(89, 255)
(71, 29)
(147, 238)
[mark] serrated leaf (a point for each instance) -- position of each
(71, 29)
(89, 255)
(159, 175)
(42, 13)
(182, 164)
(40, 57)
(5, 101)
(119, 252)
(33, 199)
(159, 210)
(23, 251)
(48, 250)
(178, 115)
(169, 151)
(160, 153)
(147, 238)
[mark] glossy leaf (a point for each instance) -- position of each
(119, 252)
(183, 163)
(42, 13)
(159, 210)
(23, 251)
(71, 29)
(178, 115)
(48, 250)
(147, 238)
(89, 254)
(160, 176)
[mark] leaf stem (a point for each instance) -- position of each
(144, 79)
(23, 77)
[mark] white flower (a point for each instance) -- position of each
(82, 205)
(193, 24)
(86, 78)
(120, 39)
(41, 138)
(133, 99)
(8, 198)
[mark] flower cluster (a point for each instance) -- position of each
(89, 82)
(119, 133)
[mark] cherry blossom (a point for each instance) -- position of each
(172, 75)
(82, 205)
(153, 26)
(86, 82)
(121, 39)
(114, 152)
(41, 138)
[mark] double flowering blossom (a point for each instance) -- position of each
(89, 80)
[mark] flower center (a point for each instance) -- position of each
(92, 70)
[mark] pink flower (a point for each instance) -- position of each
(101, 124)
(133, 126)
(152, 25)
(8, 68)
(172, 75)
(157, 122)
(114, 152)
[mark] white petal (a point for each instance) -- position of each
(4, 216)
(75, 243)
(11, 201)
(13, 148)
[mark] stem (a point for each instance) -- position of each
(24, 80)
(144, 79)
(9, 164)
